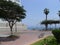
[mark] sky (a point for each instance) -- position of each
(34, 11)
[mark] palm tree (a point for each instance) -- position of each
(46, 11)
(59, 15)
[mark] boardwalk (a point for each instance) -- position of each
(27, 37)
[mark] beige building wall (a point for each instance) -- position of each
(4, 27)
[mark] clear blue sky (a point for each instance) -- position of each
(35, 9)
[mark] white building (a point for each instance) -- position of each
(4, 27)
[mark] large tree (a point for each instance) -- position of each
(11, 12)
(46, 11)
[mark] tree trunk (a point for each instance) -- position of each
(11, 30)
(46, 17)
(46, 26)
(11, 26)
(55, 26)
(15, 27)
(59, 21)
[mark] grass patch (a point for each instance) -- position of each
(50, 40)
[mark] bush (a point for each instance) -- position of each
(56, 34)
(50, 40)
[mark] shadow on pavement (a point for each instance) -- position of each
(4, 39)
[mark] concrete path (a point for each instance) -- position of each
(27, 37)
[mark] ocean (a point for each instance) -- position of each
(43, 27)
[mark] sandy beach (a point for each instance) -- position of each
(26, 37)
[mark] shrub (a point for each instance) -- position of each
(56, 34)
(50, 40)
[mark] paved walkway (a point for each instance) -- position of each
(27, 37)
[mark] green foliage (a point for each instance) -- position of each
(56, 34)
(47, 41)
(46, 11)
(11, 10)
(51, 41)
(50, 22)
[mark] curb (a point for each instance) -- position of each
(37, 40)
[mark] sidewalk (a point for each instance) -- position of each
(26, 38)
